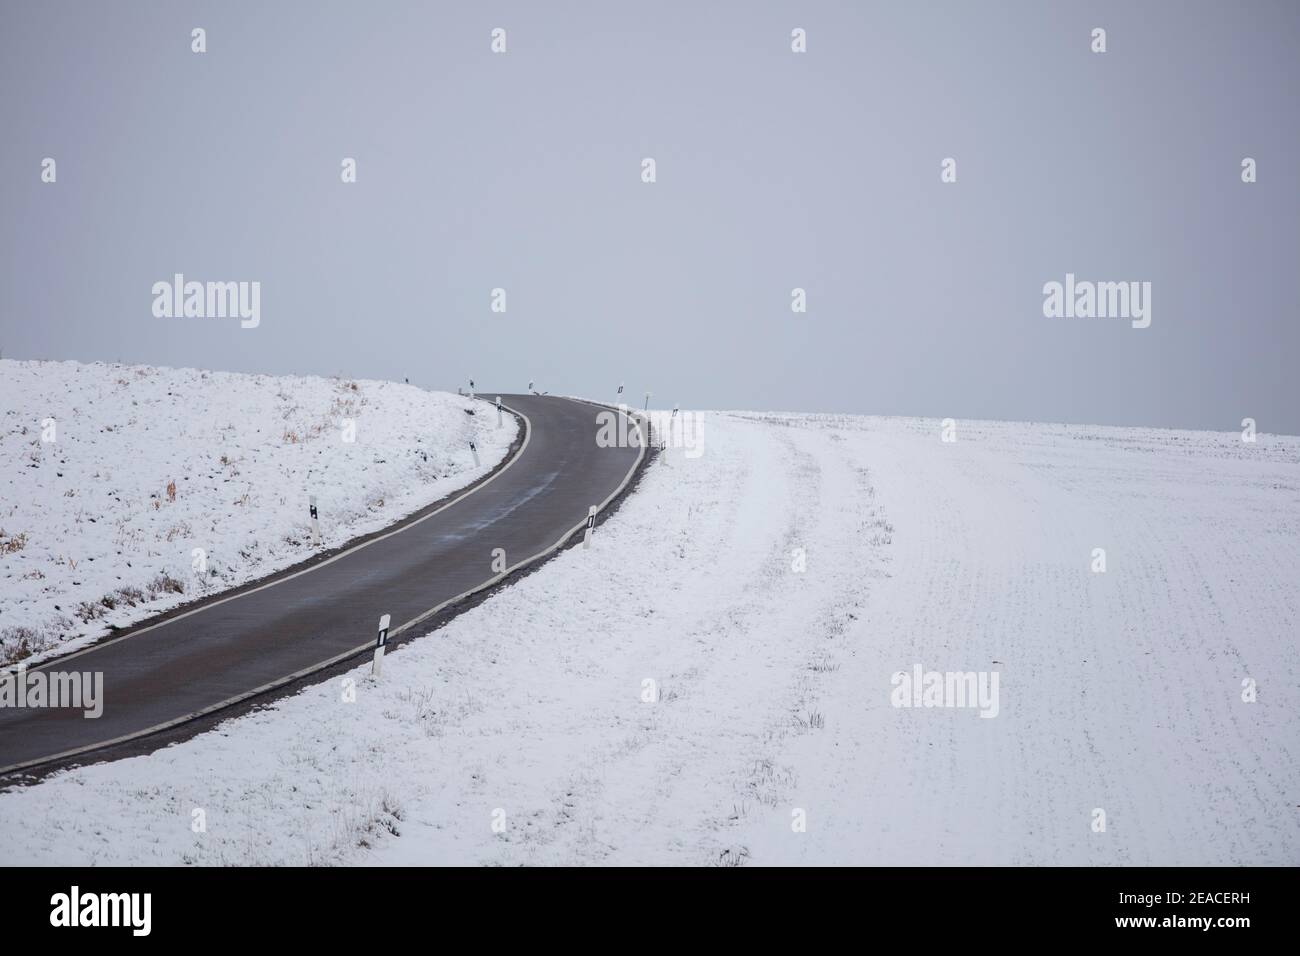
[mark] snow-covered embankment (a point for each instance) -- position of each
(130, 489)
(712, 681)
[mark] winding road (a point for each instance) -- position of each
(235, 648)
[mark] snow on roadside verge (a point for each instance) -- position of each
(772, 685)
(114, 475)
(533, 702)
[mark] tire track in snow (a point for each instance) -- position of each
(739, 678)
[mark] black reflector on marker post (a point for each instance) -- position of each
(377, 665)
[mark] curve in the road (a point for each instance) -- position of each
(226, 651)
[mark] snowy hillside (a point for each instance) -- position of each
(771, 590)
(127, 490)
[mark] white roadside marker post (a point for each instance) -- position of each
(665, 438)
(498, 411)
(619, 392)
(471, 388)
(473, 448)
(647, 402)
(530, 385)
(377, 665)
(591, 523)
(315, 522)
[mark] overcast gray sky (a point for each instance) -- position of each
(775, 170)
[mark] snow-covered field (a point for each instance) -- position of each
(522, 732)
(112, 476)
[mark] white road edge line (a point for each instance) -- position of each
(528, 434)
(338, 658)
